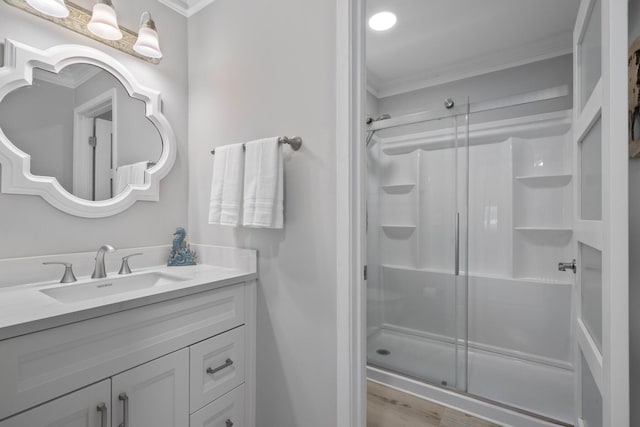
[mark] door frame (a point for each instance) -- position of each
(350, 236)
(616, 213)
(83, 116)
(351, 390)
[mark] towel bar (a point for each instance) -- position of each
(295, 142)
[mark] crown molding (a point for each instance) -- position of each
(186, 7)
(71, 81)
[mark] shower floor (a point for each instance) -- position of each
(388, 407)
(533, 387)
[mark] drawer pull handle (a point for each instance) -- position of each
(226, 364)
(125, 409)
(102, 408)
(229, 423)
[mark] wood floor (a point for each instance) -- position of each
(387, 407)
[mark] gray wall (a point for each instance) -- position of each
(526, 78)
(634, 250)
(28, 225)
(264, 68)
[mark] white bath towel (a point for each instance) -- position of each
(226, 185)
(263, 184)
(130, 174)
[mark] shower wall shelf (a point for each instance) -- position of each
(545, 229)
(545, 180)
(542, 211)
(399, 230)
(398, 188)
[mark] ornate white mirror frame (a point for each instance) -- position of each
(16, 177)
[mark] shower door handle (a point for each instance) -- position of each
(457, 244)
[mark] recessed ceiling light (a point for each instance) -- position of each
(382, 21)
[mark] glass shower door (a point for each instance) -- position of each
(417, 194)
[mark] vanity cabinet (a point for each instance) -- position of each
(88, 407)
(154, 394)
(175, 363)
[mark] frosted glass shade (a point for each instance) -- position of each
(148, 44)
(55, 8)
(104, 22)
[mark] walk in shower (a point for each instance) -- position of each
(469, 212)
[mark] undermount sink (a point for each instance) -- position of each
(110, 286)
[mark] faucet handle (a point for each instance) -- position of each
(124, 268)
(68, 276)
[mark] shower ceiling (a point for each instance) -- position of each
(436, 41)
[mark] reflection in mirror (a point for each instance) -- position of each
(81, 127)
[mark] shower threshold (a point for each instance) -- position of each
(487, 409)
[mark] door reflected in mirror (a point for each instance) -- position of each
(81, 127)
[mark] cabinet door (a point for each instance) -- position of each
(89, 407)
(155, 394)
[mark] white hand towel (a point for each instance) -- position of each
(263, 184)
(130, 174)
(226, 185)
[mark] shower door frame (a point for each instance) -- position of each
(485, 407)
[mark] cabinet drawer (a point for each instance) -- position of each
(227, 411)
(217, 366)
(79, 409)
(41, 366)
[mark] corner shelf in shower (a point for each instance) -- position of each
(545, 229)
(398, 188)
(545, 180)
(398, 231)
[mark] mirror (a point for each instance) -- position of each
(81, 127)
(77, 129)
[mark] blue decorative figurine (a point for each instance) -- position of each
(181, 253)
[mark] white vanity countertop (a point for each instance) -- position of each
(24, 309)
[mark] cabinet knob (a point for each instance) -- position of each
(229, 423)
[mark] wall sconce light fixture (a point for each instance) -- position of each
(104, 21)
(148, 43)
(101, 25)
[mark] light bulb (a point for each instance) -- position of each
(55, 8)
(148, 44)
(104, 22)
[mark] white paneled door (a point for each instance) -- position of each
(601, 218)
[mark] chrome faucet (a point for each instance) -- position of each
(99, 271)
